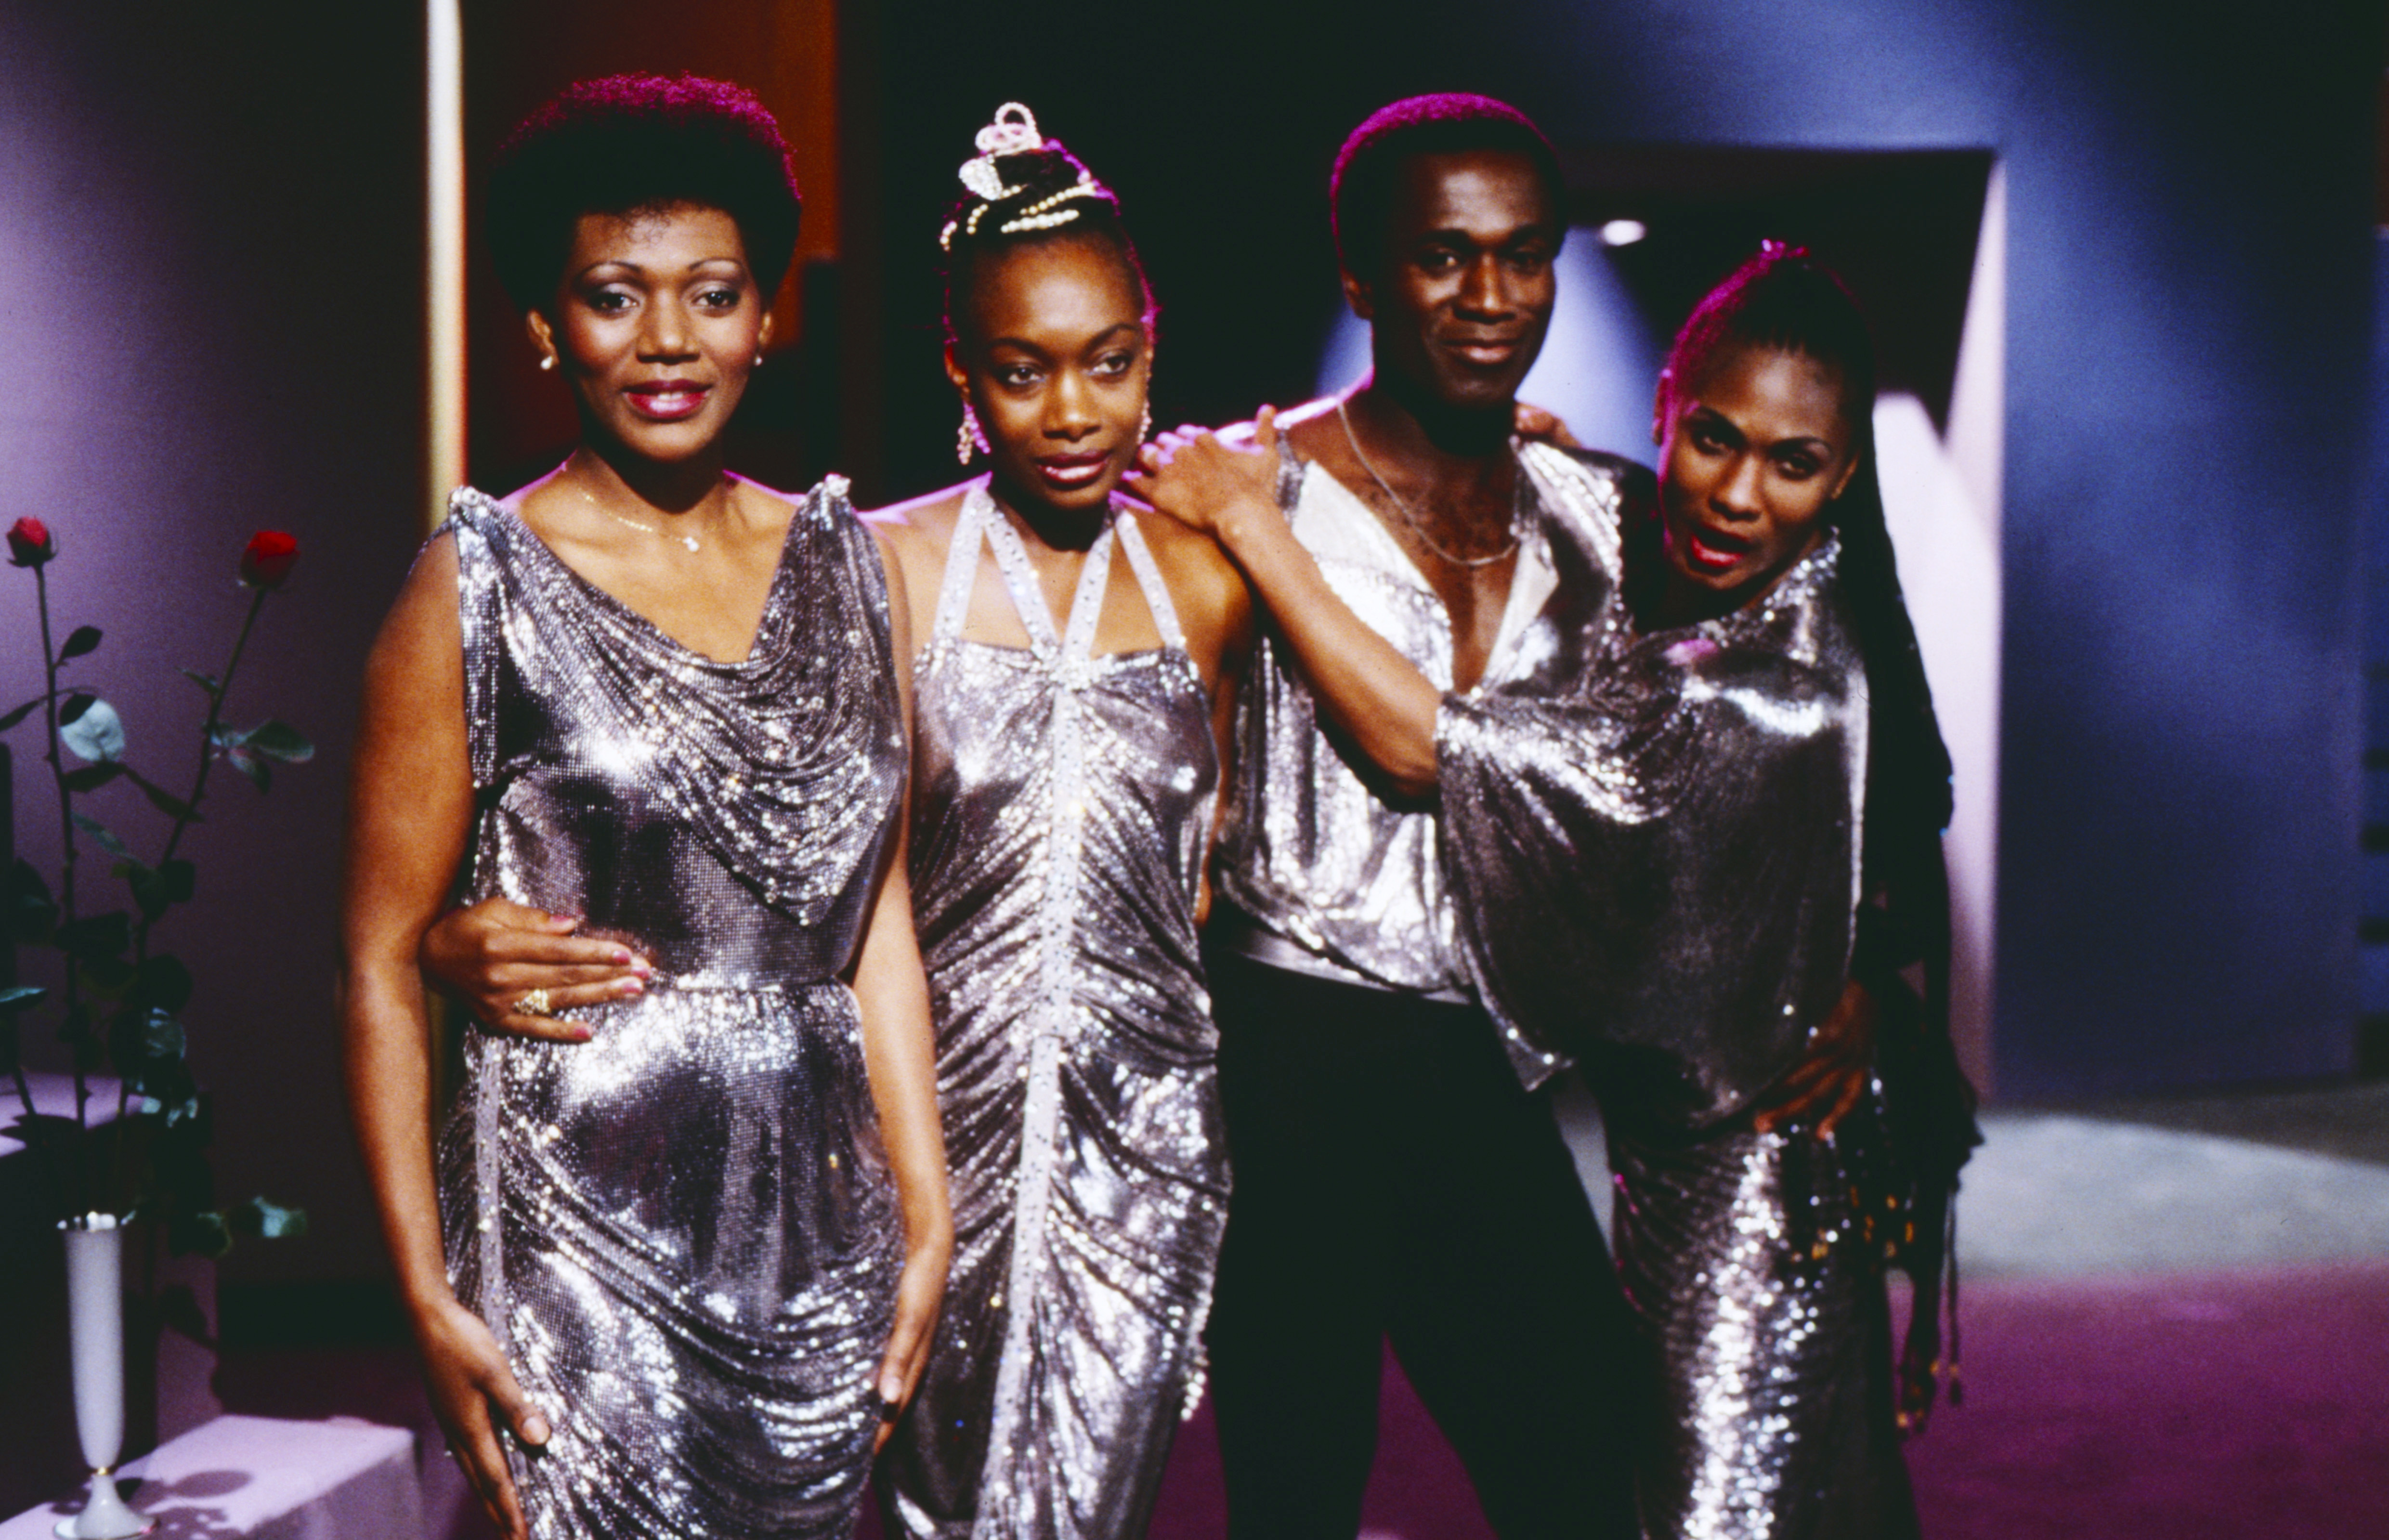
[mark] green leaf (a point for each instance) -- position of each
(148, 888)
(277, 740)
(203, 1233)
(224, 735)
(20, 713)
(32, 913)
(164, 800)
(77, 704)
(266, 1221)
(19, 997)
(182, 879)
(248, 764)
(95, 936)
(207, 682)
(92, 777)
(101, 835)
(165, 983)
(107, 977)
(98, 733)
(81, 640)
(142, 1039)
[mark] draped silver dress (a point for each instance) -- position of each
(1062, 803)
(684, 1233)
(1654, 841)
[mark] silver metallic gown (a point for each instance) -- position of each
(1654, 841)
(684, 1233)
(1062, 802)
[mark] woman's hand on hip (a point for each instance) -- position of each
(519, 968)
(1830, 1078)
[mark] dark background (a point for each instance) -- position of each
(211, 224)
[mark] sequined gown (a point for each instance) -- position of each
(684, 1233)
(1680, 813)
(1062, 803)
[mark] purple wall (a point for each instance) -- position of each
(211, 224)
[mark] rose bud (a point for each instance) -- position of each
(30, 543)
(269, 559)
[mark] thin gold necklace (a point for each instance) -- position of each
(688, 540)
(1516, 508)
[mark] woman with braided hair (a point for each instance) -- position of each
(1692, 848)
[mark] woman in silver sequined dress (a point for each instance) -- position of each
(673, 1272)
(1070, 688)
(1678, 845)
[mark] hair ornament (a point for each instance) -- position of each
(1782, 250)
(1008, 134)
(1046, 211)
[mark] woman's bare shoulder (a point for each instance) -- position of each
(924, 521)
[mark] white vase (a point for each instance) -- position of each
(96, 1335)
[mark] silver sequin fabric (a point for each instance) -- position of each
(1745, 1260)
(1654, 841)
(1061, 805)
(1311, 849)
(684, 1233)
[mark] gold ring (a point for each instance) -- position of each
(534, 1004)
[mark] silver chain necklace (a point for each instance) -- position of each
(1517, 509)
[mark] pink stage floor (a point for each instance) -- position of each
(2245, 1404)
(2176, 1328)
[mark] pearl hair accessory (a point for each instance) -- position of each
(1007, 135)
(1013, 131)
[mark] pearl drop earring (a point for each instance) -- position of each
(546, 361)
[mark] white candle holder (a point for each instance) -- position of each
(95, 1333)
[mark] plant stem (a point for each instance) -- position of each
(80, 1191)
(208, 734)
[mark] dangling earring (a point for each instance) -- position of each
(546, 362)
(1144, 424)
(968, 440)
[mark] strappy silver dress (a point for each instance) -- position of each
(1061, 807)
(684, 1233)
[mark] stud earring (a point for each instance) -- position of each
(968, 441)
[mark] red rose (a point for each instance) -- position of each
(30, 543)
(268, 560)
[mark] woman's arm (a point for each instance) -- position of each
(1366, 686)
(409, 811)
(892, 991)
(493, 954)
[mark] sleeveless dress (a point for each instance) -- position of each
(1061, 806)
(684, 1233)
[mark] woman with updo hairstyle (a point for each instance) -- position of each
(1071, 679)
(672, 1267)
(1694, 849)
